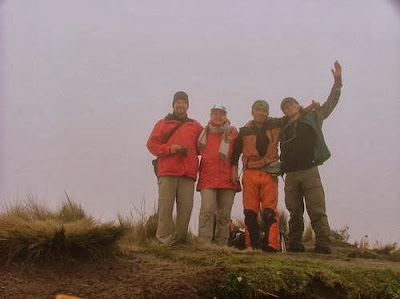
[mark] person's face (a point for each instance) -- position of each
(218, 117)
(291, 109)
(180, 107)
(260, 113)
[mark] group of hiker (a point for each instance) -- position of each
(177, 141)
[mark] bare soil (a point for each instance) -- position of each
(136, 275)
(144, 275)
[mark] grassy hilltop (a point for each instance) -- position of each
(44, 253)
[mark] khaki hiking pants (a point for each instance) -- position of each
(305, 186)
(170, 190)
(215, 203)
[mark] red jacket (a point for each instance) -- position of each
(186, 135)
(216, 173)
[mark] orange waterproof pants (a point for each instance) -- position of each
(261, 189)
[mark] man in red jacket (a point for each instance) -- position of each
(173, 140)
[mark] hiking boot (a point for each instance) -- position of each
(322, 249)
(267, 248)
(296, 248)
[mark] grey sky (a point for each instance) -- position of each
(83, 83)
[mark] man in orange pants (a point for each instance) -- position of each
(258, 142)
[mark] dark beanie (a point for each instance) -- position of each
(287, 100)
(180, 95)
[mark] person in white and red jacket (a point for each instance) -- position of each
(177, 169)
(215, 145)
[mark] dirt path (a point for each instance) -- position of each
(134, 276)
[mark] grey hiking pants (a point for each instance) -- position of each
(173, 189)
(306, 185)
(215, 203)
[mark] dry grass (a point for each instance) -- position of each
(141, 229)
(284, 223)
(390, 250)
(30, 232)
(308, 234)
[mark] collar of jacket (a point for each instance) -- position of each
(172, 116)
(252, 124)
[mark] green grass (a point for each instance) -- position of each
(308, 275)
(30, 232)
(304, 275)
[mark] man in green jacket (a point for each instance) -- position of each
(303, 148)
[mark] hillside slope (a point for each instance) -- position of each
(190, 272)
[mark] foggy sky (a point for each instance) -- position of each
(83, 83)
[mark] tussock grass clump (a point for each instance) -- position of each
(379, 251)
(141, 230)
(386, 249)
(70, 212)
(30, 232)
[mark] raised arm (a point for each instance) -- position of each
(326, 108)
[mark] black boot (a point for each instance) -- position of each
(250, 219)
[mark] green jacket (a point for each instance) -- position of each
(314, 119)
